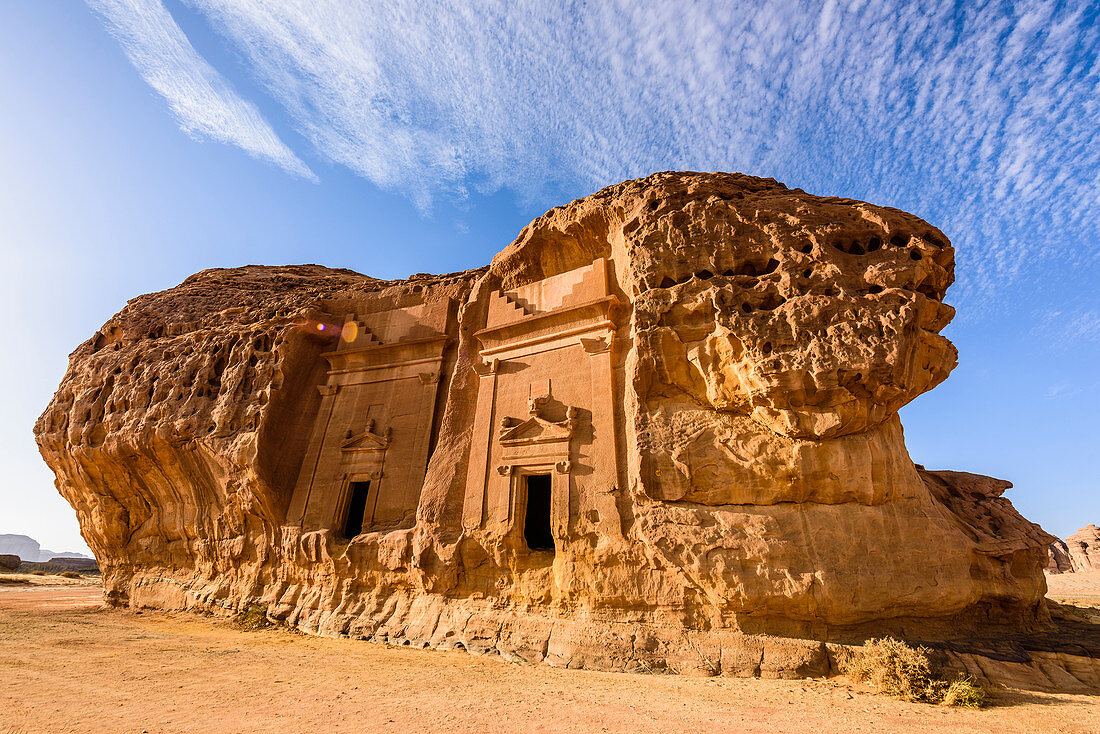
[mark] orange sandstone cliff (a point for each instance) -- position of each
(659, 430)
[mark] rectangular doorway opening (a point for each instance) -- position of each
(536, 523)
(357, 507)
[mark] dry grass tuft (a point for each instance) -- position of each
(907, 672)
(253, 618)
(963, 692)
(12, 580)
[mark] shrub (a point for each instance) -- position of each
(253, 618)
(894, 668)
(908, 673)
(69, 575)
(963, 692)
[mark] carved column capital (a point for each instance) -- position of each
(487, 368)
(596, 345)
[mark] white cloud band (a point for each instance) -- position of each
(982, 118)
(200, 98)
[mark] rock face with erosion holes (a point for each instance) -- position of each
(659, 431)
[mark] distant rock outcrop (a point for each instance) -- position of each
(1083, 549)
(28, 549)
(659, 431)
(25, 547)
(45, 555)
(1078, 553)
(1059, 560)
(9, 562)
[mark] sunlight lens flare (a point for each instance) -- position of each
(320, 328)
(350, 332)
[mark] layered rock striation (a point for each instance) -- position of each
(657, 431)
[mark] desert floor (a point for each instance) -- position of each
(70, 664)
(1075, 586)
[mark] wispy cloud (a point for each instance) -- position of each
(1062, 390)
(200, 98)
(984, 118)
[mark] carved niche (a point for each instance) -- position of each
(383, 371)
(560, 329)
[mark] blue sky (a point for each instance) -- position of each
(141, 141)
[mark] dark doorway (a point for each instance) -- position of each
(536, 525)
(357, 506)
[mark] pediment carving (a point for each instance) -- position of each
(368, 440)
(536, 430)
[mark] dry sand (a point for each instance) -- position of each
(69, 664)
(1065, 586)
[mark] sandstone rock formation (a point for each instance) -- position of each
(661, 424)
(1058, 560)
(1084, 548)
(1079, 552)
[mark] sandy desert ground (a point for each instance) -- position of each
(70, 664)
(1069, 586)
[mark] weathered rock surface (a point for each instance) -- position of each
(9, 562)
(1058, 560)
(658, 430)
(1078, 553)
(1084, 548)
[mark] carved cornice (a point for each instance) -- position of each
(561, 323)
(383, 356)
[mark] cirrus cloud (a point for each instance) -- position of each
(981, 118)
(202, 100)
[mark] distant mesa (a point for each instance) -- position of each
(28, 549)
(658, 432)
